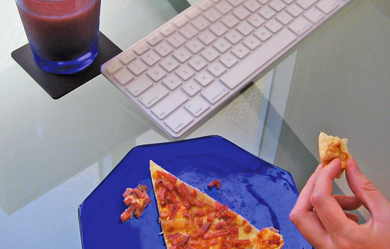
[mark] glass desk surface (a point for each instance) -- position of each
(53, 153)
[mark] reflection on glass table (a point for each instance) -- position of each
(54, 153)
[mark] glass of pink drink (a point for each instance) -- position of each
(63, 34)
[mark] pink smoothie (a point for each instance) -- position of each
(60, 30)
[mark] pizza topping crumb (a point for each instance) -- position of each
(248, 229)
(137, 199)
(174, 209)
(204, 229)
(170, 177)
(242, 242)
(216, 183)
(219, 233)
(274, 242)
(187, 194)
(199, 212)
(167, 184)
(182, 198)
(210, 217)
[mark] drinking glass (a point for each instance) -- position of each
(63, 34)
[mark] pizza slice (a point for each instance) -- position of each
(331, 147)
(191, 219)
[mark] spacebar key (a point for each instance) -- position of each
(258, 58)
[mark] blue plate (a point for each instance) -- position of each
(260, 192)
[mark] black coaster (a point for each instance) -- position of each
(58, 85)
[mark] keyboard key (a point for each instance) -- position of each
(169, 64)
(234, 36)
(141, 48)
(166, 106)
(314, 15)
(245, 28)
(137, 67)
(223, 7)
(155, 38)
(240, 51)
(204, 78)
(235, 3)
(156, 73)
(205, 5)
(194, 45)
(228, 60)
(230, 20)
(191, 88)
(327, 6)
(188, 31)
(274, 26)
(252, 5)
(172, 82)
(294, 10)
(182, 54)
(263, 1)
(284, 17)
(177, 121)
(277, 5)
(150, 58)
(123, 76)
(252, 42)
(127, 57)
(181, 21)
(197, 106)
(210, 54)
(113, 66)
(139, 85)
(267, 12)
(218, 29)
(176, 40)
(163, 48)
(168, 30)
(153, 95)
(263, 34)
(193, 12)
(215, 92)
(300, 25)
(207, 37)
(198, 63)
(256, 20)
(305, 4)
(201, 23)
(257, 59)
(222, 45)
(217, 69)
(241, 13)
(185, 72)
(212, 15)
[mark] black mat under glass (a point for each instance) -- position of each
(58, 85)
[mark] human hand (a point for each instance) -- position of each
(321, 218)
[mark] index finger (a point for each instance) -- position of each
(303, 203)
(326, 206)
(302, 215)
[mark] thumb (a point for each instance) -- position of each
(365, 191)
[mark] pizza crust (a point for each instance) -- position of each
(331, 147)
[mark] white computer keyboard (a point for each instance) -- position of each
(187, 68)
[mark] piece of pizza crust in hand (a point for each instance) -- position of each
(190, 218)
(331, 147)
